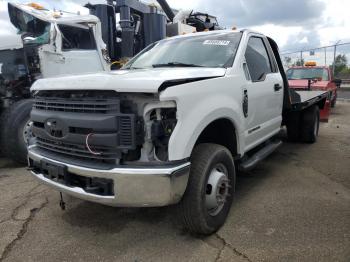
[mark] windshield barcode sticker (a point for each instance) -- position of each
(216, 42)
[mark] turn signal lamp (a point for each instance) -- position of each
(36, 6)
(310, 63)
(56, 15)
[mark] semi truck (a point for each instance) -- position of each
(172, 127)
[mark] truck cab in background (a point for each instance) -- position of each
(41, 44)
(314, 77)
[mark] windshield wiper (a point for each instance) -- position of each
(176, 64)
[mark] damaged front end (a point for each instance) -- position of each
(82, 137)
(103, 126)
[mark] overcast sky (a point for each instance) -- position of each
(294, 24)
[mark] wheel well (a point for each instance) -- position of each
(222, 132)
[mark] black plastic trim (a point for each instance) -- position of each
(175, 82)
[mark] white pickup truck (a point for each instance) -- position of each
(172, 127)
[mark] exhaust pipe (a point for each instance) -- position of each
(167, 9)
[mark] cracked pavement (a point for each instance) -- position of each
(295, 206)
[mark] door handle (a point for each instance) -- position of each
(245, 103)
(277, 87)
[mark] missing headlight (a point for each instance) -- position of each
(162, 128)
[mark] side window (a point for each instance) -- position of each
(75, 38)
(257, 59)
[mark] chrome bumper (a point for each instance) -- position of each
(133, 187)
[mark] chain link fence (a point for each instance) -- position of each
(323, 56)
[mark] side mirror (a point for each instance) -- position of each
(337, 82)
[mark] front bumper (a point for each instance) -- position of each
(133, 187)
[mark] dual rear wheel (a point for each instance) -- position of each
(303, 126)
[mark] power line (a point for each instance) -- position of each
(312, 49)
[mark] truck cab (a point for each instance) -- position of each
(311, 76)
(64, 43)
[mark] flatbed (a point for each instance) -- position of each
(307, 98)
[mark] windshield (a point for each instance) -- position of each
(30, 27)
(214, 50)
(307, 73)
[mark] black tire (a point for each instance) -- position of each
(293, 126)
(13, 120)
(192, 209)
(334, 101)
(310, 125)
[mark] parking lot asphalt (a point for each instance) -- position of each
(295, 206)
(344, 93)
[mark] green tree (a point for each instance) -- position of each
(287, 61)
(299, 62)
(341, 64)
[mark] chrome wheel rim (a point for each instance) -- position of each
(217, 189)
(27, 132)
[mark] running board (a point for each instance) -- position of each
(251, 162)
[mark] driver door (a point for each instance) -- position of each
(264, 92)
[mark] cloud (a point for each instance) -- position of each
(246, 13)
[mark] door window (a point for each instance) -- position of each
(76, 38)
(257, 58)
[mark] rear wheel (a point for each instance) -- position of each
(293, 126)
(16, 130)
(209, 193)
(310, 124)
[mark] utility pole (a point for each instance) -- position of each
(325, 56)
(335, 55)
(301, 58)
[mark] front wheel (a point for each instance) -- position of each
(16, 130)
(209, 193)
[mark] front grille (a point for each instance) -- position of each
(107, 106)
(75, 150)
(109, 119)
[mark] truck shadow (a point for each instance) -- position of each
(111, 220)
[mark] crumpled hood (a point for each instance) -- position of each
(141, 80)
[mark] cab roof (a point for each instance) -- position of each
(59, 17)
(216, 32)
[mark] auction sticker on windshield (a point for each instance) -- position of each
(216, 42)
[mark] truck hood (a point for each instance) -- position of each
(303, 83)
(139, 80)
